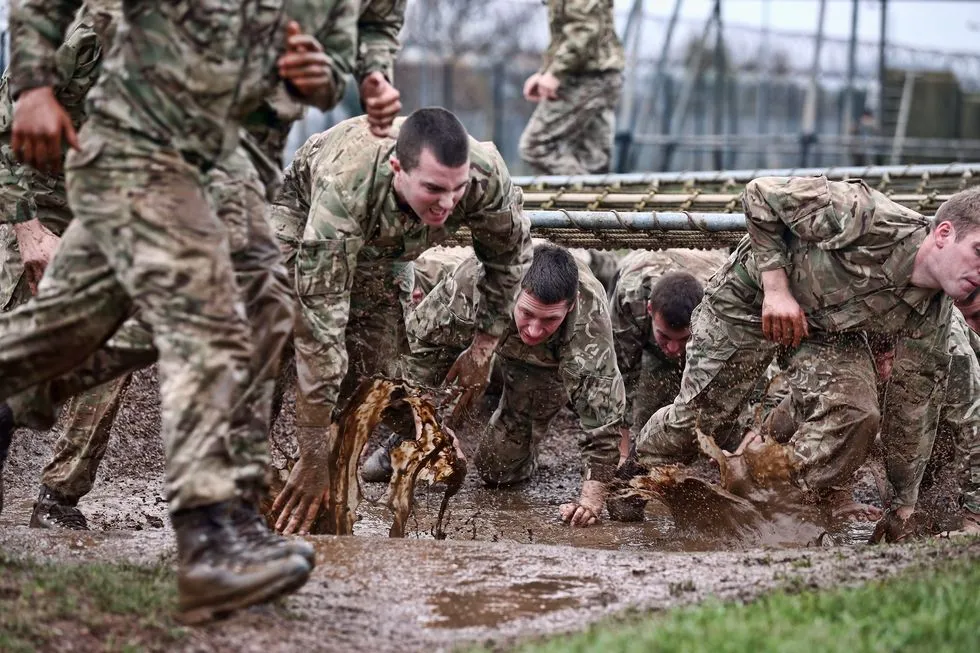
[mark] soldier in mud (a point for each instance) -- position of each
(232, 193)
(824, 264)
(576, 90)
(138, 169)
(651, 304)
(558, 346)
(352, 208)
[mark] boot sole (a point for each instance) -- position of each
(285, 584)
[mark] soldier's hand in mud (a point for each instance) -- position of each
(587, 510)
(541, 86)
(783, 321)
(40, 127)
(307, 67)
(381, 102)
(471, 372)
(301, 498)
(37, 246)
(750, 439)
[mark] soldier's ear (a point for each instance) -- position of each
(945, 233)
(396, 165)
(649, 309)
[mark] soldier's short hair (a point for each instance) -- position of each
(675, 296)
(553, 275)
(962, 210)
(434, 129)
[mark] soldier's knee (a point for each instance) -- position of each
(867, 420)
(667, 437)
(499, 466)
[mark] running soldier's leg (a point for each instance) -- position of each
(555, 125)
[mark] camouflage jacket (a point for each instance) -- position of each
(632, 328)
(357, 39)
(78, 62)
(583, 38)
(581, 352)
(849, 252)
(179, 73)
(338, 215)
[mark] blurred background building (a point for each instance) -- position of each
(714, 84)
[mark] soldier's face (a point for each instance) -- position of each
(670, 340)
(537, 321)
(431, 189)
(958, 263)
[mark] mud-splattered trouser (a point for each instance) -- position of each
(146, 240)
(573, 135)
(834, 384)
(960, 415)
(531, 397)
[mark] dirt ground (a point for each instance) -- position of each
(509, 569)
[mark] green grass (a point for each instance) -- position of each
(99, 606)
(933, 611)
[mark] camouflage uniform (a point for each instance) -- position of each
(573, 134)
(237, 194)
(343, 230)
(961, 411)
(577, 363)
(145, 237)
(652, 378)
(372, 49)
(849, 253)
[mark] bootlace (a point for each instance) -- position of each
(68, 517)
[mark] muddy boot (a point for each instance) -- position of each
(252, 529)
(620, 505)
(6, 434)
(218, 572)
(53, 510)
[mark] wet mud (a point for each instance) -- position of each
(507, 570)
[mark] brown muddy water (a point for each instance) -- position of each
(507, 570)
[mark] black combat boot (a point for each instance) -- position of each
(253, 530)
(6, 434)
(53, 510)
(219, 572)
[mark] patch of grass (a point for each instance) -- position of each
(927, 610)
(98, 606)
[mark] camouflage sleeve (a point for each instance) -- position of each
(326, 261)
(629, 339)
(589, 373)
(961, 411)
(338, 36)
(378, 28)
(37, 28)
(831, 214)
(582, 20)
(502, 242)
(916, 392)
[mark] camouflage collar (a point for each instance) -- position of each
(898, 268)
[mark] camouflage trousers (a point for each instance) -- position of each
(834, 386)
(573, 135)
(531, 396)
(145, 239)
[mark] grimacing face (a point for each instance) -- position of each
(431, 189)
(670, 340)
(957, 267)
(537, 321)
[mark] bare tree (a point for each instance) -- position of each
(495, 29)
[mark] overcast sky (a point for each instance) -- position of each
(929, 24)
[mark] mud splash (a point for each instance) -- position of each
(428, 453)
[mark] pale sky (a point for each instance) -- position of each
(929, 24)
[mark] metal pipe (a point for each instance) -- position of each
(626, 122)
(851, 70)
(646, 221)
(746, 174)
(882, 66)
(810, 109)
(719, 90)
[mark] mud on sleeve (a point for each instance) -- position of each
(378, 28)
(502, 242)
(326, 261)
(37, 29)
(590, 375)
(628, 340)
